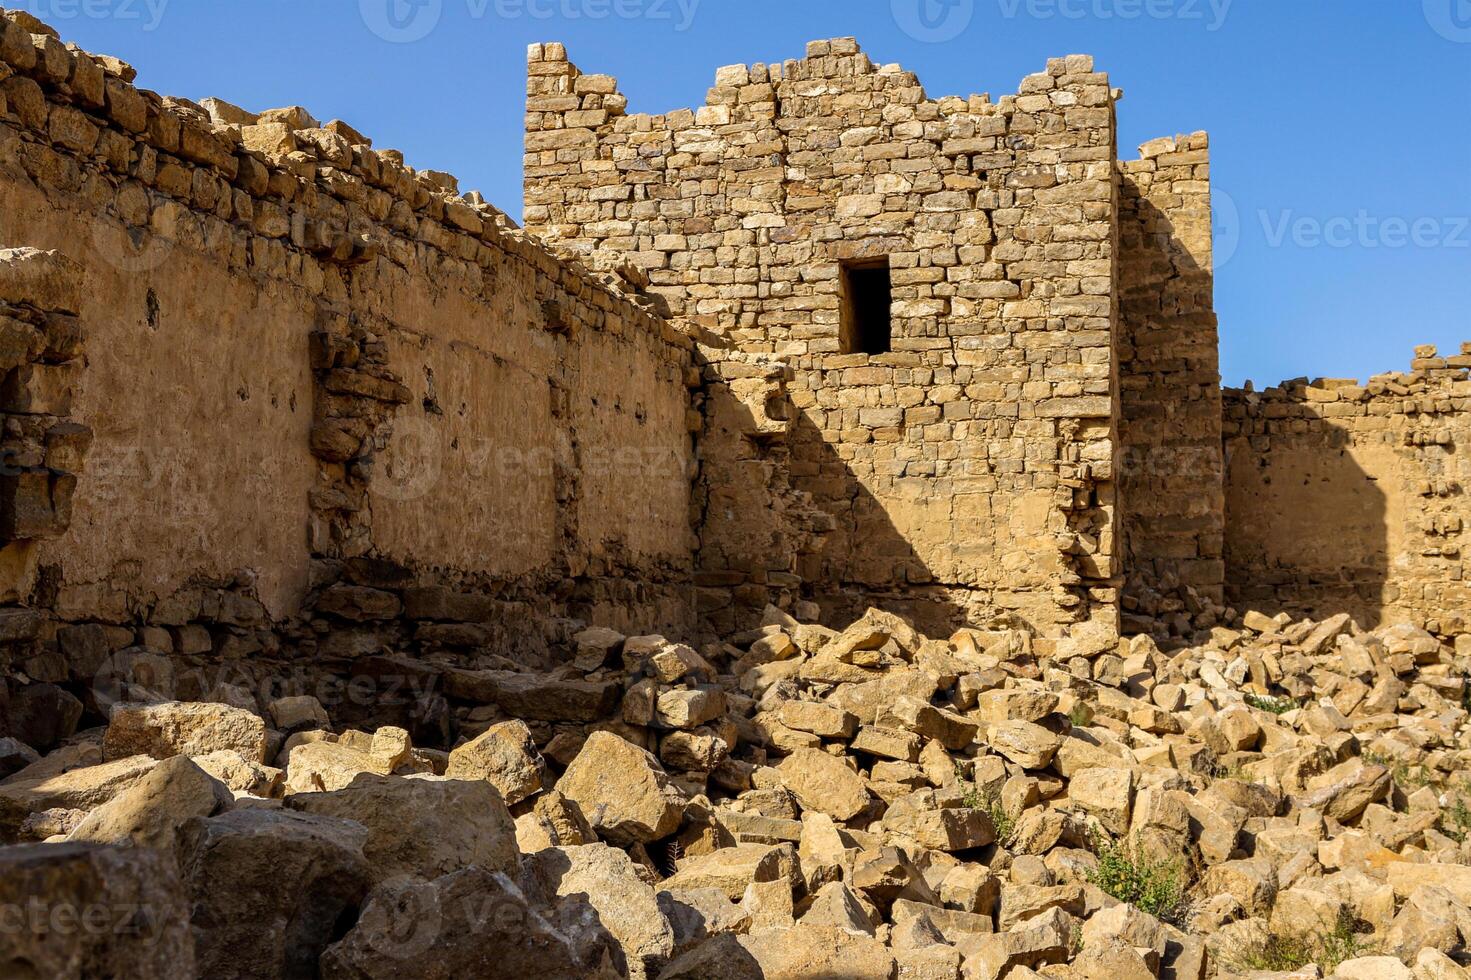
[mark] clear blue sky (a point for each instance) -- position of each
(1341, 129)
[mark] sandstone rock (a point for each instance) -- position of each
(425, 826)
(1106, 794)
(505, 756)
(78, 911)
(533, 697)
(697, 914)
(625, 905)
(555, 821)
(920, 817)
(1029, 746)
(804, 952)
(175, 728)
(473, 923)
(241, 774)
(323, 767)
(275, 883)
(149, 812)
(622, 791)
(299, 712)
(837, 906)
(76, 789)
(730, 869)
(824, 783)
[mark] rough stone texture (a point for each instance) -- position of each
(272, 883)
(152, 810)
(1348, 497)
(505, 756)
(830, 473)
(425, 826)
(624, 902)
(474, 923)
(167, 730)
(1170, 470)
(622, 791)
(133, 893)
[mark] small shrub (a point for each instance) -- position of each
(1155, 887)
(1327, 947)
(1276, 706)
(1455, 821)
(989, 800)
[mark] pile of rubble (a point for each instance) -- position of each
(795, 803)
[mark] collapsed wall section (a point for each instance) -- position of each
(965, 472)
(1349, 497)
(1170, 467)
(335, 409)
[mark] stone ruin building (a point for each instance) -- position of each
(272, 396)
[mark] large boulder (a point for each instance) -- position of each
(424, 826)
(177, 728)
(241, 774)
(149, 812)
(824, 783)
(622, 791)
(84, 788)
(506, 757)
(82, 911)
(473, 923)
(624, 902)
(808, 951)
(269, 890)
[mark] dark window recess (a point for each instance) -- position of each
(867, 293)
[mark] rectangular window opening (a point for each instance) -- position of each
(867, 327)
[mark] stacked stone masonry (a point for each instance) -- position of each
(967, 475)
(1353, 497)
(336, 410)
(277, 404)
(1170, 468)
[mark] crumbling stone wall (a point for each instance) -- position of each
(966, 475)
(1353, 497)
(1170, 470)
(337, 409)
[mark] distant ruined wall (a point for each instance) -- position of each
(332, 409)
(1171, 475)
(1342, 497)
(968, 474)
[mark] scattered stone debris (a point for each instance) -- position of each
(1287, 799)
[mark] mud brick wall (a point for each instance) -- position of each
(1343, 496)
(968, 473)
(1170, 472)
(335, 408)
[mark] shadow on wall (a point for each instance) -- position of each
(1307, 523)
(1171, 472)
(786, 517)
